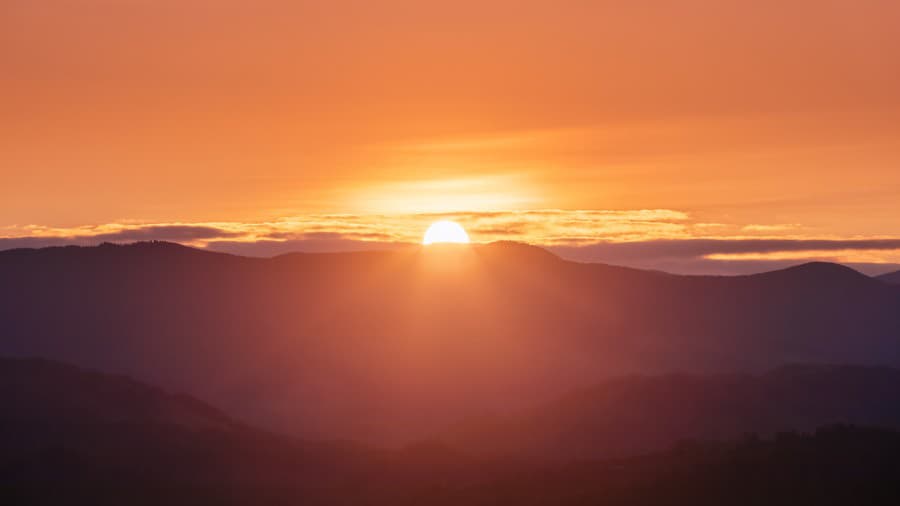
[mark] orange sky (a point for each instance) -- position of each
(761, 120)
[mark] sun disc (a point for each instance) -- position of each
(445, 232)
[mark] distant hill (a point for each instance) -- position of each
(891, 277)
(641, 414)
(71, 436)
(37, 390)
(78, 437)
(389, 347)
(832, 466)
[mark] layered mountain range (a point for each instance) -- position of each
(393, 347)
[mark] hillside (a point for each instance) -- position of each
(891, 277)
(41, 390)
(73, 436)
(634, 415)
(393, 346)
(53, 451)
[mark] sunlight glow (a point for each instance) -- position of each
(445, 231)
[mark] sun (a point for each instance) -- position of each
(445, 231)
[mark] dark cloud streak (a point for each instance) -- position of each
(268, 248)
(689, 256)
(682, 256)
(174, 233)
(692, 248)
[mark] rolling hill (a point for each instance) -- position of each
(891, 277)
(635, 415)
(72, 436)
(392, 346)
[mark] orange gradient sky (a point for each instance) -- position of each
(318, 124)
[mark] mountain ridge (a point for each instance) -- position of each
(373, 337)
(806, 268)
(37, 388)
(890, 277)
(621, 416)
(85, 460)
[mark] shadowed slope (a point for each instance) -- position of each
(891, 277)
(72, 436)
(122, 451)
(41, 390)
(640, 414)
(392, 346)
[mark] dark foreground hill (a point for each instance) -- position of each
(641, 414)
(71, 436)
(833, 466)
(128, 449)
(37, 390)
(891, 277)
(392, 346)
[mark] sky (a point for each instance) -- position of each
(699, 136)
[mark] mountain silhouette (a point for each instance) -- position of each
(891, 277)
(80, 437)
(38, 390)
(834, 465)
(389, 347)
(73, 436)
(641, 414)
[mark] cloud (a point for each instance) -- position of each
(770, 228)
(667, 248)
(84, 236)
(269, 248)
(731, 256)
(660, 239)
(541, 226)
(7, 243)
(165, 233)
